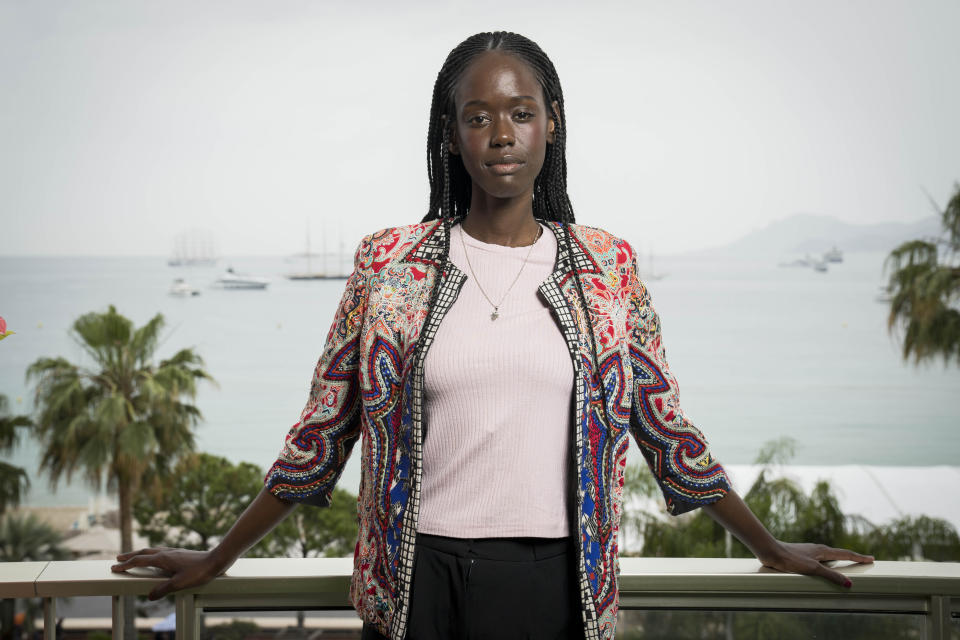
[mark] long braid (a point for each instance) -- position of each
(446, 206)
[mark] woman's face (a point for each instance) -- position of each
(503, 125)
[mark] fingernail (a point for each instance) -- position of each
(848, 584)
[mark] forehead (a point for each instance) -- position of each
(495, 75)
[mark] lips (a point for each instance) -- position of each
(505, 165)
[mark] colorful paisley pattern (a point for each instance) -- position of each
(368, 383)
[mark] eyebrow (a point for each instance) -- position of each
(482, 102)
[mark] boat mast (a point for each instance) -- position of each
(308, 246)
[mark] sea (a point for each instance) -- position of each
(760, 352)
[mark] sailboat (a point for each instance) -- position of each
(193, 248)
(309, 274)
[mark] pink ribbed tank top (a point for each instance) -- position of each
(497, 400)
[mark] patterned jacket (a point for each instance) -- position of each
(369, 382)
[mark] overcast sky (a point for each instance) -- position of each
(690, 123)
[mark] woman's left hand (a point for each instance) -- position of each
(807, 558)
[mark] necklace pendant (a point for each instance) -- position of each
(494, 315)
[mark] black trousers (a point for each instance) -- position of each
(492, 588)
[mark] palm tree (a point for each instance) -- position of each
(14, 481)
(924, 291)
(120, 418)
(24, 538)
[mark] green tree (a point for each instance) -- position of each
(924, 289)
(790, 514)
(119, 418)
(24, 538)
(195, 505)
(311, 532)
(920, 538)
(14, 480)
(233, 630)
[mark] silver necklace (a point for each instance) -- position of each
(496, 307)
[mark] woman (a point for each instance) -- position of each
(494, 359)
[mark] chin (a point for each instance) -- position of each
(505, 188)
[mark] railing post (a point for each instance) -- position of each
(116, 611)
(49, 619)
(938, 627)
(188, 619)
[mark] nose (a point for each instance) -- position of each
(502, 134)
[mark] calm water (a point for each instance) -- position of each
(759, 352)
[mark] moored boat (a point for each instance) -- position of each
(181, 289)
(234, 280)
(834, 255)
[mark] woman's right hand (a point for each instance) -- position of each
(186, 568)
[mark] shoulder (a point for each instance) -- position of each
(600, 244)
(393, 243)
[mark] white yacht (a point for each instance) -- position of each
(834, 255)
(181, 289)
(234, 280)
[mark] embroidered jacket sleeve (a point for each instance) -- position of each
(317, 447)
(676, 451)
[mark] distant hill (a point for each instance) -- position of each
(807, 233)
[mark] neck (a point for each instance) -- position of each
(504, 221)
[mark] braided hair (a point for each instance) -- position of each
(450, 185)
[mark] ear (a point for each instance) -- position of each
(553, 122)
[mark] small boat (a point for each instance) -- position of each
(310, 274)
(820, 266)
(193, 248)
(834, 255)
(233, 280)
(181, 289)
(314, 275)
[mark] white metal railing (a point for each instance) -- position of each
(930, 589)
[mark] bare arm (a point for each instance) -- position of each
(735, 516)
(193, 568)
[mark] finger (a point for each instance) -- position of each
(129, 554)
(833, 576)
(846, 554)
(162, 590)
(151, 560)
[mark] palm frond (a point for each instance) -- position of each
(10, 425)
(14, 484)
(924, 287)
(144, 340)
(104, 336)
(25, 538)
(951, 218)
